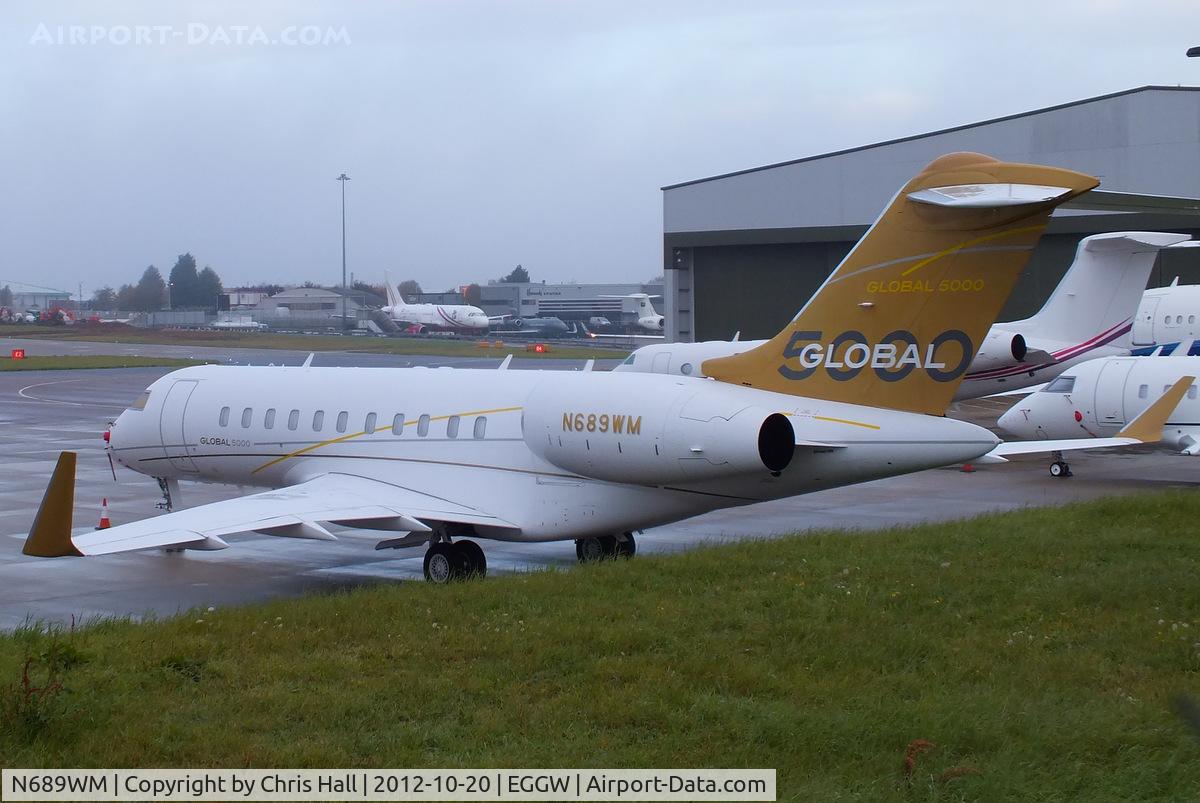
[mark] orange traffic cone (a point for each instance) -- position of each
(104, 521)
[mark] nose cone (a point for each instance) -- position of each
(1018, 420)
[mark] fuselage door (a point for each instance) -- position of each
(170, 424)
(662, 363)
(1110, 392)
(1143, 324)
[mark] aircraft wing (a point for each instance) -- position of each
(1010, 448)
(298, 511)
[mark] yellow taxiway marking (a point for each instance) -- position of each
(967, 244)
(845, 421)
(352, 435)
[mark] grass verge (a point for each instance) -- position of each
(59, 363)
(1036, 654)
(108, 333)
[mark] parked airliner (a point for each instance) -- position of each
(853, 389)
(434, 317)
(1088, 315)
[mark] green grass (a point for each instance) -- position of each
(431, 346)
(1039, 652)
(58, 363)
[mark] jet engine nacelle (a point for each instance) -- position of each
(1000, 349)
(689, 437)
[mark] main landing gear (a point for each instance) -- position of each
(446, 562)
(1059, 468)
(605, 547)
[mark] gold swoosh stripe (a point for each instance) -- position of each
(968, 243)
(845, 421)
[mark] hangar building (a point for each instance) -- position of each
(744, 251)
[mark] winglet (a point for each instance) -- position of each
(50, 536)
(1148, 425)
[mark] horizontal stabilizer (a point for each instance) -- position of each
(989, 195)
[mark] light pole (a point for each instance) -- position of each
(343, 178)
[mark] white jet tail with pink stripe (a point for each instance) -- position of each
(1088, 315)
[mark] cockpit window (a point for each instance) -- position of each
(1064, 384)
(140, 402)
(629, 360)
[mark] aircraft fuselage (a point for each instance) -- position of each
(558, 454)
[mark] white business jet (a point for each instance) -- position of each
(648, 318)
(1098, 397)
(853, 389)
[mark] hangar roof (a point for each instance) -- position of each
(1144, 141)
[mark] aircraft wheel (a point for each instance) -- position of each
(1060, 469)
(598, 547)
(442, 564)
(626, 546)
(473, 561)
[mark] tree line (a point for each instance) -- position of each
(185, 288)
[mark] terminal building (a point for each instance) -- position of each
(744, 251)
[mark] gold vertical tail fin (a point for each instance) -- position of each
(898, 322)
(50, 536)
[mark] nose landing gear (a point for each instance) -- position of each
(1059, 468)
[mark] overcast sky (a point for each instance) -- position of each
(479, 135)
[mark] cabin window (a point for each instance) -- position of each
(398, 424)
(293, 420)
(423, 425)
(1192, 392)
(140, 402)
(342, 419)
(224, 419)
(686, 369)
(247, 414)
(1191, 319)
(481, 427)
(1178, 319)
(452, 427)
(369, 426)
(269, 419)
(1167, 319)
(1143, 391)
(318, 420)
(1064, 384)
